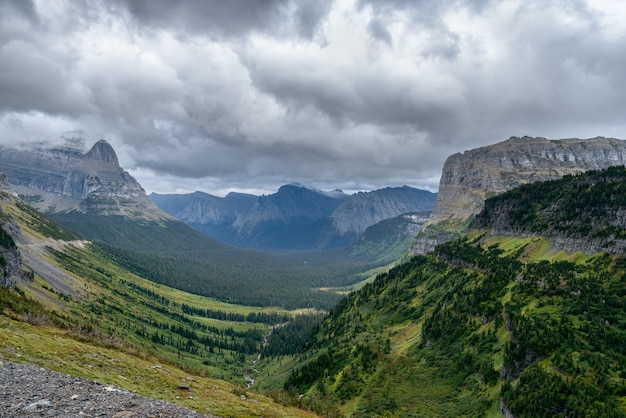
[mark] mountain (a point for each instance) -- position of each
(72, 308)
(10, 257)
(364, 209)
(467, 179)
(594, 221)
(209, 214)
(295, 217)
(58, 179)
(501, 322)
(91, 195)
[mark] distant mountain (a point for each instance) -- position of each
(295, 217)
(91, 195)
(210, 214)
(58, 179)
(467, 179)
(364, 209)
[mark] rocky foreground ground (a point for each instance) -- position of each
(29, 391)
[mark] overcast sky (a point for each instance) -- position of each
(247, 95)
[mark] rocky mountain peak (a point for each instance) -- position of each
(102, 151)
(58, 179)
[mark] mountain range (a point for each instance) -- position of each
(295, 217)
(90, 194)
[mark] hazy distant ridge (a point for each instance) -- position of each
(295, 216)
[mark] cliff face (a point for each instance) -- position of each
(468, 178)
(10, 257)
(59, 179)
(362, 210)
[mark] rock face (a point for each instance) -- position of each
(199, 207)
(362, 210)
(468, 178)
(295, 217)
(10, 257)
(60, 179)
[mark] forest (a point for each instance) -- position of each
(487, 323)
(176, 255)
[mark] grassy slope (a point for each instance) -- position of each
(433, 336)
(481, 321)
(85, 315)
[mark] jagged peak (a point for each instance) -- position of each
(102, 151)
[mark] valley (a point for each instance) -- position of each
(518, 310)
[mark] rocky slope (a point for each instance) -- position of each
(28, 390)
(203, 208)
(57, 179)
(468, 178)
(10, 256)
(362, 210)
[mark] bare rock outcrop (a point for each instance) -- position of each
(56, 179)
(468, 178)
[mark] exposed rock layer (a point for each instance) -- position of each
(60, 178)
(468, 178)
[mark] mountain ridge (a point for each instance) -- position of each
(494, 323)
(296, 216)
(468, 178)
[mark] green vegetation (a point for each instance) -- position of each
(487, 322)
(587, 206)
(176, 255)
(99, 320)
(451, 333)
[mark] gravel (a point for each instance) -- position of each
(27, 390)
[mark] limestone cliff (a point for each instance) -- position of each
(57, 179)
(468, 178)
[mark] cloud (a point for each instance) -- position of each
(361, 93)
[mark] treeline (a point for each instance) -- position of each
(270, 318)
(590, 206)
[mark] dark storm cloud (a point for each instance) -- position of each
(231, 18)
(363, 93)
(378, 31)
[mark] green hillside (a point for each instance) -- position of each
(79, 312)
(176, 255)
(486, 324)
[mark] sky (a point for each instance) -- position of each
(247, 95)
